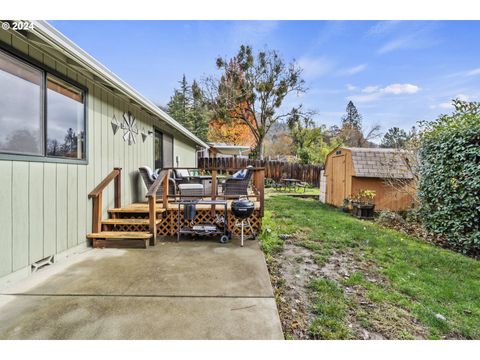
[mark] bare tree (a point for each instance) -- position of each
(252, 89)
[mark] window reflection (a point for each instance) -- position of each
(20, 107)
(65, 120)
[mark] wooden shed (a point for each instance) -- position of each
(349, 170)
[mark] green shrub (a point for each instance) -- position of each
(449, 187)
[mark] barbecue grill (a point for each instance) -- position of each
(241, 210)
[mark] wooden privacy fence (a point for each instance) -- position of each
(274, 169)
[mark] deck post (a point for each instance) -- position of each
(97, 214)
(214, 192)
(118, 188)
(152, 216)
(259, 183)
(166, 182)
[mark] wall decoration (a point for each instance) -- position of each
(130, 130)
(144, 135)
(115, 125)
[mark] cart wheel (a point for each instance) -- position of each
(224, 239)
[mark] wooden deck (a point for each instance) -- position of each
(139, 224)
(143, 207)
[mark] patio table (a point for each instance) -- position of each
(291, 183)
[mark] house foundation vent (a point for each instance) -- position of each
(40, 264)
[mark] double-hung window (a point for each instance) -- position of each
(41, 115)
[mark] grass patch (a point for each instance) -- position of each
(420, 280)
(331, 310)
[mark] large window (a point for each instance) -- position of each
(21, 111)
(65, 120)
(40, 114)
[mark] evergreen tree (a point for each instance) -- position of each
(395, 138)
(352, 118)
(188, 107)
(199, 112)
(178, 106)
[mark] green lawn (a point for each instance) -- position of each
(397, 285)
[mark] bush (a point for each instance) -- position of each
(449, 187)
(390, 218)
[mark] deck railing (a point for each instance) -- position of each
(96, 196)
(258, 186)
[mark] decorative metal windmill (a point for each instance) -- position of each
(130, 130)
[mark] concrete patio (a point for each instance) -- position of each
(186, 290)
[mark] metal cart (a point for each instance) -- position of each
(204, 229)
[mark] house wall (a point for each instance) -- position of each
(185, 153)
(44, 209)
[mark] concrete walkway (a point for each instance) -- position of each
(186, 290)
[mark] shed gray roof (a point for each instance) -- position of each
(381, 163)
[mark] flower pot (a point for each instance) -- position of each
(363, 211)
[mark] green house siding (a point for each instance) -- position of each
(44, 206)
(185, 153)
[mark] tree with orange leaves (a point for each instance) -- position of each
(235, 132)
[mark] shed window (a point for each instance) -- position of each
(41, 115)
(21, 115)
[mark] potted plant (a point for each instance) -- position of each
(363, 205)
(346, 205)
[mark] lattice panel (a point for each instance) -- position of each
(169, 225)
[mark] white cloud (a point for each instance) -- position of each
(370, 89)
(413, 35)
(401, 89)
(353, 70)
(314, 67)
(394, 45)
(383, 27)
(351, 87)
(374, 92)
(474, 72)
(252, 32)
(365, 98)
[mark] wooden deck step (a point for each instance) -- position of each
(120, 239)
(129, 221)
(134, 209)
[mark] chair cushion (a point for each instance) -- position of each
(240, 174)
(190, 187)
(181, 173)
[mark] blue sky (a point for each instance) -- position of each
(396, 73)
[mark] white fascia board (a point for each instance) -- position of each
(47, 32)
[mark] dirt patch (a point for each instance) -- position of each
(368, 319)
(293, 269)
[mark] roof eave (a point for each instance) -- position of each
(50, 34)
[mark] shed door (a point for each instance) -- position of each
(337, 180)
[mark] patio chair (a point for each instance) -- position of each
(182, 176)
(237, 184)
(149, 178)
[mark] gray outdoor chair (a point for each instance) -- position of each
(149, 178)
(233, 186)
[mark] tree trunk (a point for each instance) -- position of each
(260, 149)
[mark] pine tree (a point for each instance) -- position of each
(199, 112)
(352, 118)
(395, 138)
(187, 106)
(178, 106)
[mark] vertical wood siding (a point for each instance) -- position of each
(44, 209)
